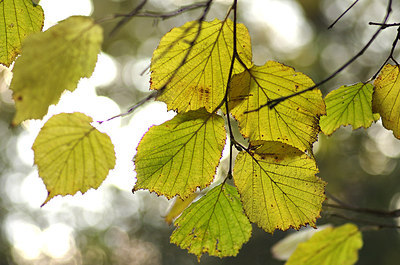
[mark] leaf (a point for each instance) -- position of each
(215, 224)
(19, 19)
(348, 105)
(54, 61)
(278, 186)
(178, 156)
(294, 121)
(330, 246)
(202, 79)
(178, 207)
(386, 99)
(71, 155)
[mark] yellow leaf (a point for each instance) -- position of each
(348, 105)
(386, 100)
(278, 186)
(180, 155)
(215, 224)
(331, 246)
(19, 19)
(293, 121)
(201, 81)
(178, 207)
(71, 155)
(54, 61)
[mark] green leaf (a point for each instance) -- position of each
(330, 246)
(72, 155)
(348, 105)
(293, 121)
(54, 61)
(386, 99)
(278, 186)
(178, 156)
(215, 224)
(202, 79)
(19, 19)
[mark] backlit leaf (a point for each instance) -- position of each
(54, 61)
(72, 155)
(178, 156)
(333, 246)
(19, 19)
(201, 81)
(278, 186)
(348, 105)
(293, 121)
(386, 100)
(178, 207)
(215, 224)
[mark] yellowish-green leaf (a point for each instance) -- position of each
(19, 19)
(348, 105)
(215, 224)
(178, 207)
(333, 246)
(278, 186)
(193, 66)
(71, 155)
(293, 121)
(178, 156)
(386, 100)
(54, 61)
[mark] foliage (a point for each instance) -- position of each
(203, 71)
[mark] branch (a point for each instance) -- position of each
(345, 206)
(344, 13)
(272, 103)
(154, 94)
(128, 17)
(372, 223)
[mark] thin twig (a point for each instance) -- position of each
(272, 103)
(159, 91)
(344, 13)
(362, 221)
(383, 25)
(128, 17)
(391, 54)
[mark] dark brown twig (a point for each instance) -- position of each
(344, 13)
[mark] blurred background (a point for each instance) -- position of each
(113, 226)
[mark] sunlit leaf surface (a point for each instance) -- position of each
(19, 18)
(348, 105)
(178, 156)
(293, 121)
(72, 155)
(178, 207)
(386, 100)
(278, 186)
(333, 246)
(206, 50)
(54, 61)
(215, 224)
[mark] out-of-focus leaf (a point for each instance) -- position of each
(71, 155)
(386, 100)
(178, 207)
(19, 19)
(285, 247)
(333, 246)
(54, 61)
(278, 186)
(348, 105)
(202, 79)
(293, 121)
(215, 224)
(180, 155)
